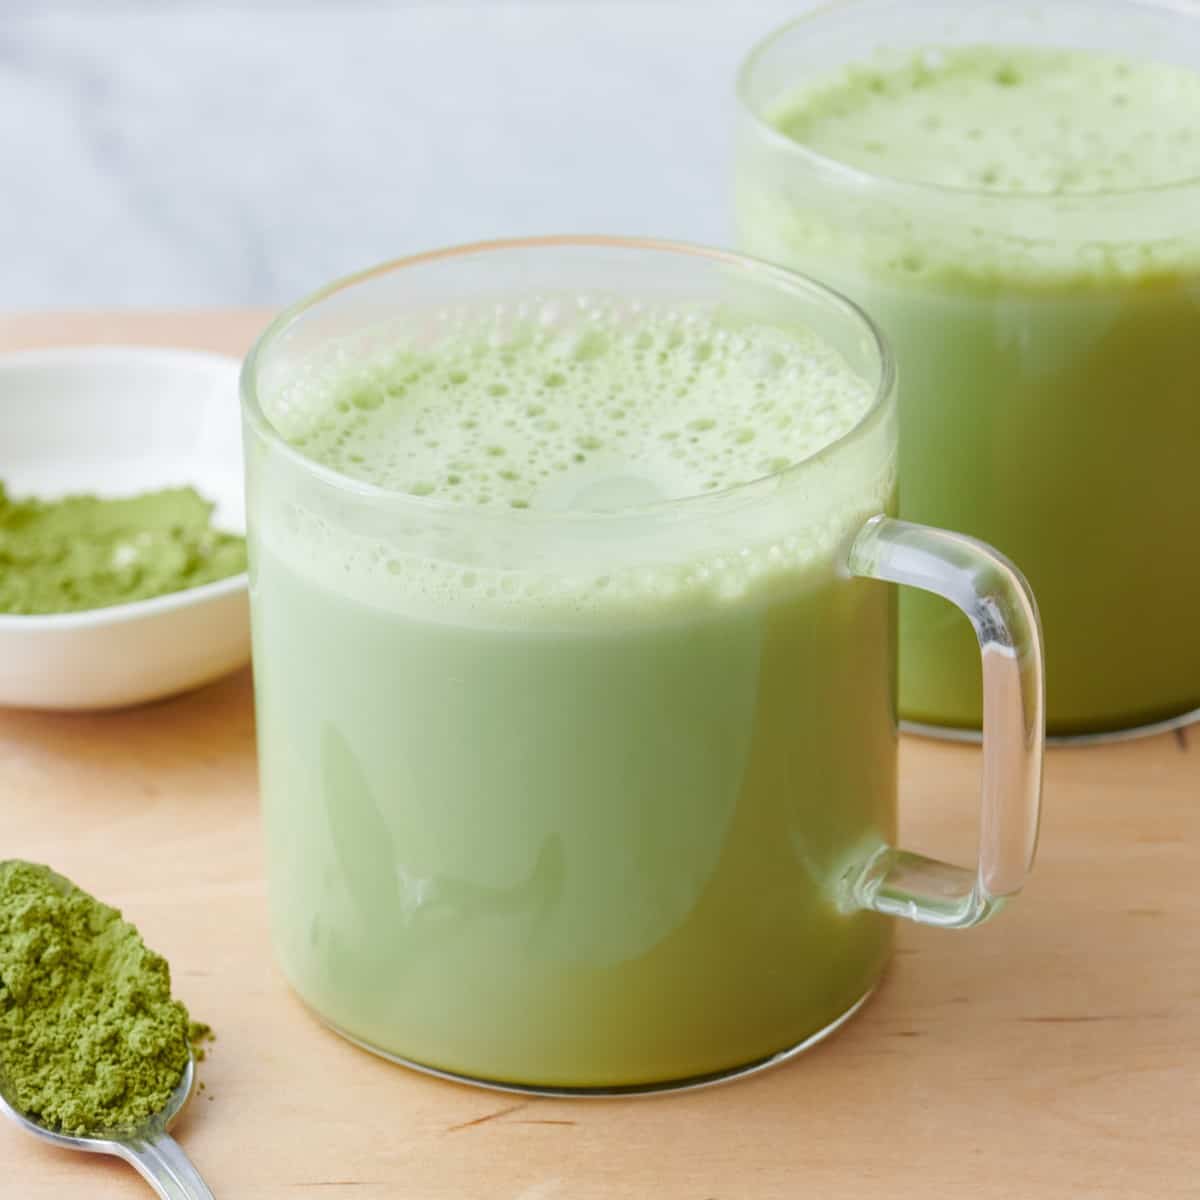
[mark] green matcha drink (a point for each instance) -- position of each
(572, 817)
(574, 669)
(1024, 222)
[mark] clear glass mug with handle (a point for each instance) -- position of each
(599, 794)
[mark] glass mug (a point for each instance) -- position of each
(1049, 346)
(587, 801)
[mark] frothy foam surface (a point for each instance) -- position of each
(572, 405)
(609, 414)
(1006, 119)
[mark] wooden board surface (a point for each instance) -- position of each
(1052, 1053)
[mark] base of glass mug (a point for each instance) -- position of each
(640, 1089)
(949, 733)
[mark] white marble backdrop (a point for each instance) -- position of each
(186, 152)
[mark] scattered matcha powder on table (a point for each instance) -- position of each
(90, 1039)
(84, 552)
(198, 1034)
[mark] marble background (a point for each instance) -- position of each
(192, 152)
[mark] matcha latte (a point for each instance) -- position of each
(1023, 219)
(572, 723)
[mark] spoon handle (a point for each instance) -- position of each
(161, 1162)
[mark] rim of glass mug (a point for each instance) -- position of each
(1093, 213)
(695, 506)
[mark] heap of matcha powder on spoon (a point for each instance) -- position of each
(91, 1040)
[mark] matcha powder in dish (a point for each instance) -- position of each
(85, 552)
(91, 1041)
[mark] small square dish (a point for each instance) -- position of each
(117, 421)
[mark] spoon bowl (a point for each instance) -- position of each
(149, 1149)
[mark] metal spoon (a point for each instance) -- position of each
(150, 1150)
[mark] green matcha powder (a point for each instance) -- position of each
(83, 552)
(90, 1040)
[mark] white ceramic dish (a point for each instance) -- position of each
(116, 421)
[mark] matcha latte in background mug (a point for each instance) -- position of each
(1012, 191)
(575, 657)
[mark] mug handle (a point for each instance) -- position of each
(996, 599)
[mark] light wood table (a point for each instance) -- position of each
(1053, 1053)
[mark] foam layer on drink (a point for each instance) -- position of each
(1007, 119)
(992, 165)
(605, 416)
(601, 409)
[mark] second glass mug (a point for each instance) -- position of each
(613, 806)
(1049, 345)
